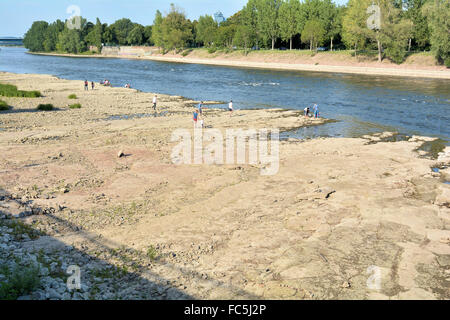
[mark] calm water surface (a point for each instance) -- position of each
(362, 104)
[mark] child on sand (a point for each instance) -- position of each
(86, 85)
(195, 118)
(155, 101)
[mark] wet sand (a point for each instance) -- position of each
(337, 207)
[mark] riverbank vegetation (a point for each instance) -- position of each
(3, 106)
(406, 26)
(8, 90)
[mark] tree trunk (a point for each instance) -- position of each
(331, 43)
(380, 58)
(409, 45)
(356, 52)
(290, 44)
(379, 51)
(273, 43)
(310, 45)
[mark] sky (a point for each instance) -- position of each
(16, 16)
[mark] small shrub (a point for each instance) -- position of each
(152, 253)
(186, 52)
(45, 107)
(73, 96)
(19, 282)
(3, 106)
(75, 106)
(212, 50)
(447, 62)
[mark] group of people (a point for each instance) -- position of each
(198, 114)
(86, 85)
(105, 82)
(315, 109)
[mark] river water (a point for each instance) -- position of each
(361, 104)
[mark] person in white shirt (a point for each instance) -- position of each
(230, 107)
(155, 100)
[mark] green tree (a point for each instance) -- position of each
(354, 24)
(314, 33)
(69, 40)
(109, 36)
(136, 35)
(249, 19)
(157, 37)
(321, 10)
(148, 35)
(438, 14)
(95, 36)
(122, 29)
(35, 36)
(287, 20)
(243, 37)
(51, 35)
(206, 30)
(267, 15)
(225, 35)
(336, 24)
(176, 29)
(420, 32)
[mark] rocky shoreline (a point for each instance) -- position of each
(140, 227)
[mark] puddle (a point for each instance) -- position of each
(136, 116)
(438, 170)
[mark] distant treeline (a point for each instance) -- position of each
(406, 25)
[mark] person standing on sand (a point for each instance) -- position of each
(200, 108)
(86, 85)
(307, 112)
(92, 85)
(195, 118)
(316, 111)
(230, 107)
(155, 101)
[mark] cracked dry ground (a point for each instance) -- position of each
(336, 208)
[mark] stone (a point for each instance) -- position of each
(346, 285)
(120, 154)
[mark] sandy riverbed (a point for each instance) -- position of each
(336, 208)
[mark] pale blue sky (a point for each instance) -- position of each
(16, 16)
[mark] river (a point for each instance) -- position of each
(361, 104)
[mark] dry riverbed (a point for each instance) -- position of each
(140, 227)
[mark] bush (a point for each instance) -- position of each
(45, 107)
(19, 282)
(212, 50)
(73, 96)
(447, 62)
(9, 90)
(75, 106)
(3, 106)
(186, 52)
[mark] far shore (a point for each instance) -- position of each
(404, 71)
